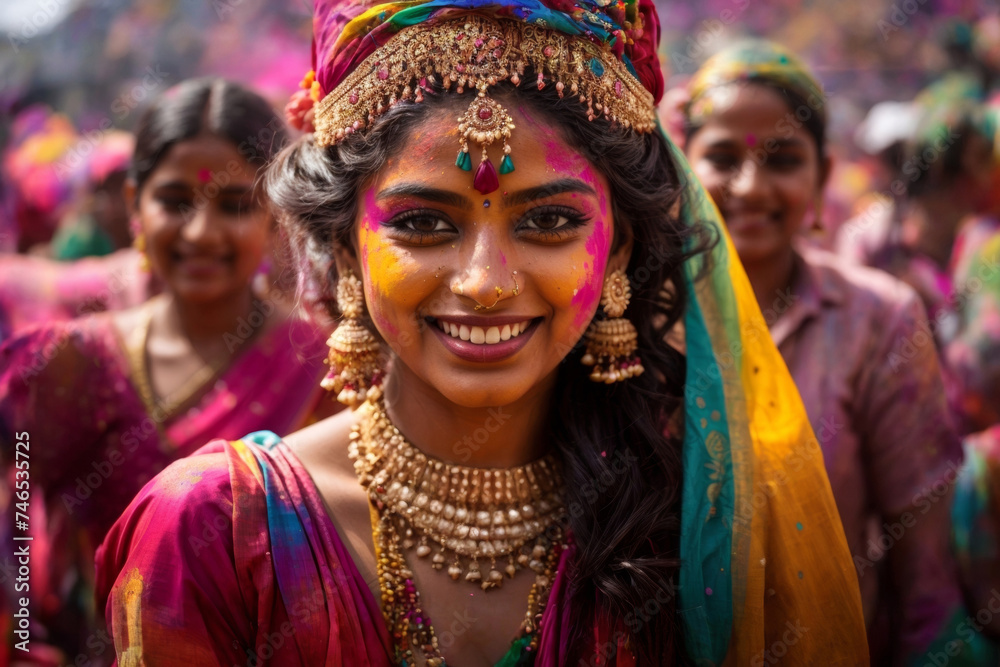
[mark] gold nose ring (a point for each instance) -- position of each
(480, 306)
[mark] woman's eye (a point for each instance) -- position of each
(420, 227)
(784, 161)
(173, 204)
(427, 224)
(547, 221)
(722, 161)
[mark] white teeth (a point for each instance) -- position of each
(483, 335)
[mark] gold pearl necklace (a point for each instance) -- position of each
(460, 514)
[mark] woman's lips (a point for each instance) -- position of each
(743, 222)
(486, 342)
(201, 265)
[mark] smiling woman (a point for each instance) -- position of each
(112, 399)
(756, 139)
(533, 475)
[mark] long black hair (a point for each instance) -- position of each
(623, 471)
(206, 106)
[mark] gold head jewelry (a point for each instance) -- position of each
(477, 52)
(355, 354)
(139, 243)
(612, 341)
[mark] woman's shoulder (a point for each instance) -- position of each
(190, 496)
(62, 349)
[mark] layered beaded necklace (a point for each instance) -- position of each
(465, 517)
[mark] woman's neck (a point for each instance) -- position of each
(771, 280)
(490, 437)
(212, 325)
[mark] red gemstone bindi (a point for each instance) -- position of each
(485, 113)
(486, 179)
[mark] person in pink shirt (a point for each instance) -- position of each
(855, 340)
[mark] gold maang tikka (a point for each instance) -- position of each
(355, 354)
(484, 122)
(612, 341)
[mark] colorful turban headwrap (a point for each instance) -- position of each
(344, 34)
(748, 61)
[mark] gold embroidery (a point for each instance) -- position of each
(130, 603)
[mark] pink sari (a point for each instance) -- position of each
(94, 445)
(260, 535)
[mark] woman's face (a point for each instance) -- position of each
(534, 253)
(762, 168)
(205, 231)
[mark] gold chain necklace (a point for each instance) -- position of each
(168, 405)
(467, 514)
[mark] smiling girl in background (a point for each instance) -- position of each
(112, 399)
(852, 338)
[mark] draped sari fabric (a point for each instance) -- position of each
(94, 444)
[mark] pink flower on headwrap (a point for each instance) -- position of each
(300, 110)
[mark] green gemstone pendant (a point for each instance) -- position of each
(464, 161)
(506, 165)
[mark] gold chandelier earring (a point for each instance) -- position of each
(355, 354)
(612, 341)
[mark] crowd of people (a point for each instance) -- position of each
(619, 369)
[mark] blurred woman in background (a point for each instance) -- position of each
(854, 340)
(112, 399)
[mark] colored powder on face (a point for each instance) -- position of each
(590, 284)
(380, 262)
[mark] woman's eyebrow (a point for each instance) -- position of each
(420, 191)
(558, 187)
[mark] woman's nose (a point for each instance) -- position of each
(748, 179)
(485, 275)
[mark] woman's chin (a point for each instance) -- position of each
(202, 291)
(758, 250)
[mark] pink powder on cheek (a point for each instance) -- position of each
(588, 290)
(372, 211)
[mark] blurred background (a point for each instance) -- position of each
(95, 63)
